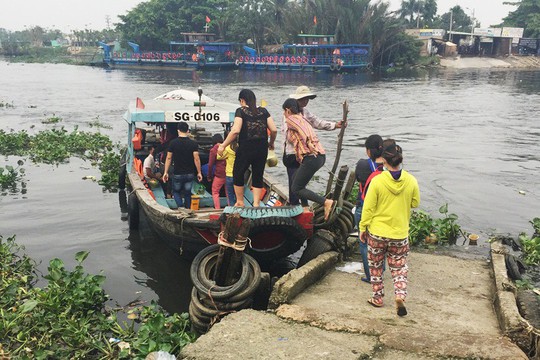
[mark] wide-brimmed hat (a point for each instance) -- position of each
(303, 92)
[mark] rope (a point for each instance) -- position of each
(238, 245)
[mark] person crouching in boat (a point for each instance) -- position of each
(250, 126)
(184, 152)
(309, 153)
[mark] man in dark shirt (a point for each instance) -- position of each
(184, 153)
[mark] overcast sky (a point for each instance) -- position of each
(68, 15)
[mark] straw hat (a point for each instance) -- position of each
(303, 92)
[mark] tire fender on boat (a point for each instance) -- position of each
(237, 62)
(332, 67)
(133, 211)
(201, 63)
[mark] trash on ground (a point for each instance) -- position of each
(352, 267)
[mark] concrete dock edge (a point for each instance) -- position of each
(294, 282)
(511, 322)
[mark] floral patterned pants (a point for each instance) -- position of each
(396, 251)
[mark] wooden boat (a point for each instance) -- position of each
(275, 232)
(198, 51)
(314, 53)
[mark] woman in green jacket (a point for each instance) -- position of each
(385, 224)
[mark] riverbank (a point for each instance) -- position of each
(514, 62)
(451, 315)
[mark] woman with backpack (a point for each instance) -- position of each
(367, 169)
(385, 224)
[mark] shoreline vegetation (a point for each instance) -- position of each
(70, 316)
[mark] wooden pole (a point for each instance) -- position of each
(339, 147)
(229, 259)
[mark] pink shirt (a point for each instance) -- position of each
(301, 135)
(219, 170)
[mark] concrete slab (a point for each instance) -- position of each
(451, 315)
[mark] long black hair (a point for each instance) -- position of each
(292, 105)
(250, 99)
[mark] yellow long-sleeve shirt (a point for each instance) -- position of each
(229, 155)
(388, 203)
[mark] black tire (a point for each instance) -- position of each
(529, 307)
(291, 232)
(332, 67)
(133, 211)
(322, 241)
(512, 267)
(200, 274)
(201, 63)
(122, 177)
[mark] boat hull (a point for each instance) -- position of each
(140, 64)
(272, 237)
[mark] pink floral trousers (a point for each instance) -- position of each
(396, 251)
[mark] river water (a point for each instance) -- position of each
(471, 137)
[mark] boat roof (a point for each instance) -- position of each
(329, 46)
(180, 105)
(199, 43)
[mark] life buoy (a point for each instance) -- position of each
(258, 59)
(293, 60)
(287, 59)
(298, 59)
(241, 58)
(281, 59)
(304, 60)
(313, 60)
(194, 57)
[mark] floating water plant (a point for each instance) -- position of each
(55, 146)
(68, 317)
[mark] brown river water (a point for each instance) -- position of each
(471, 137)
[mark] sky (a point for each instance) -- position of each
(68, 15)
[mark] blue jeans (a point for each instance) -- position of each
(181, 185)
(229, 187)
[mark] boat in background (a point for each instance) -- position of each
(198, 51)
(314, 53)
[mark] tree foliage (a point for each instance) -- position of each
(526, 15)
(153, 24)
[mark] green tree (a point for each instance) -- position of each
(418, 13)
(527, 16)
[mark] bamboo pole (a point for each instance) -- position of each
(339, 147)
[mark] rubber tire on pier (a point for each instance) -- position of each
(512, 267)
(210, 302)
(293, 233)
(529, 306)
(133, 211)
(322, 241)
